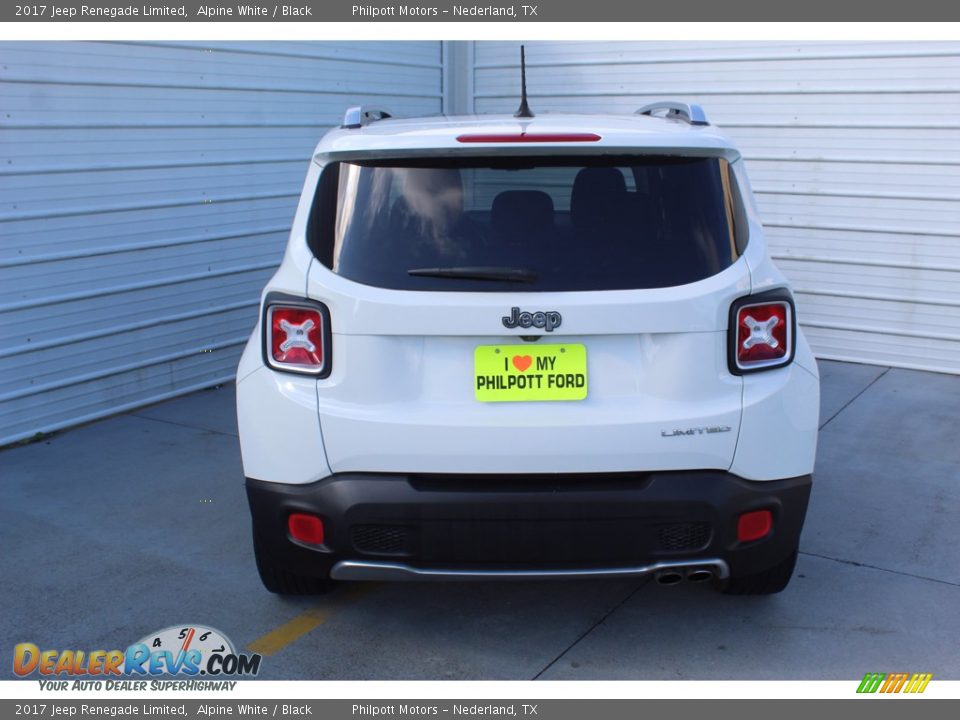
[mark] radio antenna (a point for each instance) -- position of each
(524, 110)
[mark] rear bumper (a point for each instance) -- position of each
(401, 527)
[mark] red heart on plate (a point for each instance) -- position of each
(522, 362)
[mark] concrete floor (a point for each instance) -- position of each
(122, 527)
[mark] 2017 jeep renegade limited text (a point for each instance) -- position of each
(550, 347)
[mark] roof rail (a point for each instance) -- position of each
(356, 117)
(690, 113)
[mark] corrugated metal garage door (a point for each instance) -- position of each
(853, 150)
(146, 191)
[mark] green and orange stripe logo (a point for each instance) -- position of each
(894, 682)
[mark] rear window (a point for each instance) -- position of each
(527, 224)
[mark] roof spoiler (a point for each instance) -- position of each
(361, 115)
(688, 112)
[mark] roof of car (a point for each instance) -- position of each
(501, 132)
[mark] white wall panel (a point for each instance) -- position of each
(146, 192)
(853, 150)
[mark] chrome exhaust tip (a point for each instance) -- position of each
(669, 577)
(698, 575)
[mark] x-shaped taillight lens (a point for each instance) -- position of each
(764, 334)
(295, 339)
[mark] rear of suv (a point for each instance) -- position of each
(511, 348)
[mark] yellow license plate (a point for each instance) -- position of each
(517, 373)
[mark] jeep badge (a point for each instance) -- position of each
(547, 320)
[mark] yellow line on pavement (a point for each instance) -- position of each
(276, 640)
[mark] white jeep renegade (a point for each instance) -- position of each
(509, 347)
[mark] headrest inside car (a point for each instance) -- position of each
(521, 211)
(599, 197)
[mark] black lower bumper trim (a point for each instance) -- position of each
(521, 524)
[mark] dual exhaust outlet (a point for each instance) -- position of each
(694, 574)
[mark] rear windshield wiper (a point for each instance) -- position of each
(477, 273)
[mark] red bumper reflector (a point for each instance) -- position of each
(529, 138)
(754, 525)
(306, 528)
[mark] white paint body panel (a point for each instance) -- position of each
(779, 429)
(279, 429)
(416, 412)
(400, 395)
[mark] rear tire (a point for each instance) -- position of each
(768, 582)
(282, 582)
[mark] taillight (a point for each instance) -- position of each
(762, 332)
(297, 337)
